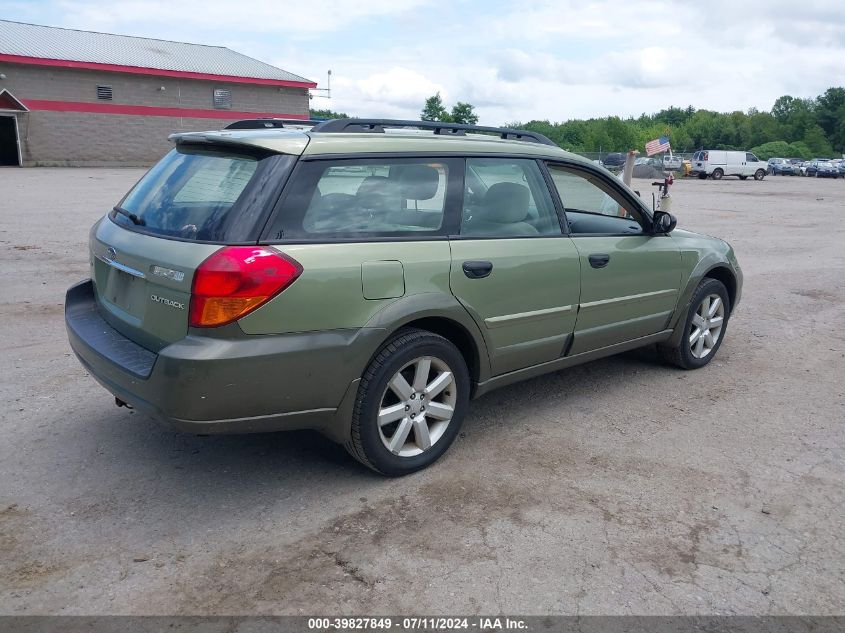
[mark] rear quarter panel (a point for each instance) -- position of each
(330, 292)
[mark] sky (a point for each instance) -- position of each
(514, 61)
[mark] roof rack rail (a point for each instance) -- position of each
(438, 127)
(268, 123)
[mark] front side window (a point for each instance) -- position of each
(507, 197)
(367, 197)
(592, 206)
(751, 158)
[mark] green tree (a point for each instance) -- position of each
(463, 113)
(779, 149)
(433, 110)
(830, 115)
(816, 140)
(809, 127)
(328, 114)
(799, 149)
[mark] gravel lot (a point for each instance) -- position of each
(619, 487)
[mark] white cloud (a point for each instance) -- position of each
(292, 19)
(398, 89)
(517, 60)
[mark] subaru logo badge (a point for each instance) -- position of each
(111, 254)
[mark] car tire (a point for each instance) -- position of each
(743, 177)
(759, 174)
(717, 174)
(702, 176)
(701, 340)
(381, 411)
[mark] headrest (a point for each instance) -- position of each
(373, 184)
(505, 203)
(418, 182)
(377, 193)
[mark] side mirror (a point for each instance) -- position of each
(664, 222)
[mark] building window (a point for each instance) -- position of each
(222, 99)
(104, 93)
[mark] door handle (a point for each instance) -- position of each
(599, 260)
(477, 269)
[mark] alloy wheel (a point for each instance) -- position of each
(417, 406)
(706, 326)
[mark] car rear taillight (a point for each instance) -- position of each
(236, 280)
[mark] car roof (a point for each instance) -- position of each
(308, 143)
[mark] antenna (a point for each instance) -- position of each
(327, 90)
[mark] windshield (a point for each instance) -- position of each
(200, 194)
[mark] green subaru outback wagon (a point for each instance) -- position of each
(368, 278)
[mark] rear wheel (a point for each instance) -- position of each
(411, 402)
(704, 327)
(717, 174)
(759, 174)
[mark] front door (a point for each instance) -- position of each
(513, 269)
(752, 164)
(9, 154)
(629, 278)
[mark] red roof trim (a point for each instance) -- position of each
(138, 70)
(137, 110)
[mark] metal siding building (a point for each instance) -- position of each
(80, 98)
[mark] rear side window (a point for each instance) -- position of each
(203, 194)
(360, 198)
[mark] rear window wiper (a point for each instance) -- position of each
(135, 219)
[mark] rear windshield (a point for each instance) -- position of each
(205, 194)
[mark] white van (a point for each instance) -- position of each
(717, 163)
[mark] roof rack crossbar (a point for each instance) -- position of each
(438, 127)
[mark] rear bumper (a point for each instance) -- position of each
(226, 382)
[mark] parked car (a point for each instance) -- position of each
(368, 285)
(719, 163)
(672, 162)
(648, 167)
(840, 165)
(649, 160)
(822, 168)
(781, 167)
(615, 159)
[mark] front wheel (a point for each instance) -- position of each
(717, 174)
(743, 177)
(704, 327)
(411, 402)
(759, 174)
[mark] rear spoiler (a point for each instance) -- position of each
(292, 143)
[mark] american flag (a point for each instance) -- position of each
(657, 145)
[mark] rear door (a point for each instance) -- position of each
(143, 256)
(513, 268)
(368, 232)
(629, 278)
